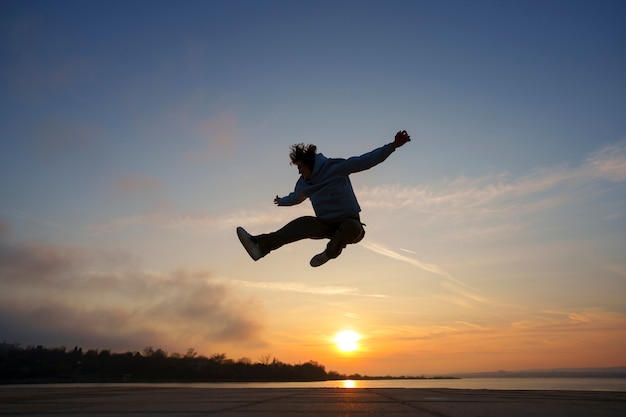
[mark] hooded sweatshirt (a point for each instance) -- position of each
(329, 188)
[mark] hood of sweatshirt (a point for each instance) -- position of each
(320, 162)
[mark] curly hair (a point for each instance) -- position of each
(303, 153)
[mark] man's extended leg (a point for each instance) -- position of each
(307, 227)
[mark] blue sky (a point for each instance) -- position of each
(137, 135)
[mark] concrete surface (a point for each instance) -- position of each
(277, 402)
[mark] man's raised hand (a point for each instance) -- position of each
(401, 138)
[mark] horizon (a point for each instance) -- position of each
(135, 142)
(224, 358)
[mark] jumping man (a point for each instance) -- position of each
(326, 182)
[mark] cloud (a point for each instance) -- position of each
(221, 131)
(201, 222)
(550, 322)
(31, 218)
(303, 288)
(4, 228)
(522, 325)
(159, 217)
(382, 250)
(35, 265)
(138, 183)
(220, 136)
(618, 269)
(463, 294)
(53, 295)
(512, 340)
(499, 204)
(608, 162)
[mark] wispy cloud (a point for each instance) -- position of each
(514, 340)
(463, 293)
(618, 269)
(161, 217)
(549, 322)
(522, 325)
(138, 183)
(220, 135)
(608, 162)
(500, 192)
(31, 218)
(382, 250)
(302, 288)
(500, 204)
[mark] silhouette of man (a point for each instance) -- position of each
(325, 181)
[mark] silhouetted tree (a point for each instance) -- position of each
(38, 364)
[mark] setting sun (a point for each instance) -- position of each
(346, 340)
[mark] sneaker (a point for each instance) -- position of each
(249, 243)
(319, 259)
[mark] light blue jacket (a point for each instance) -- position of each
(329, 188)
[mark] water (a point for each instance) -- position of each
(541, 384)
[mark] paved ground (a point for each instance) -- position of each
(317, 402)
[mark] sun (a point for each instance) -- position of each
(347, 340)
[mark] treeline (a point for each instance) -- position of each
(39, 364)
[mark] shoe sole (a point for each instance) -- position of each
(315, 262)
(244, 238)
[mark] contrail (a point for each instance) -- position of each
(452, 284)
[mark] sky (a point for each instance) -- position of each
(137, 135)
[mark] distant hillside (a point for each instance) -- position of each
(616, 372)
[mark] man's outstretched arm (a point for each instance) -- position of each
(375, 157)
(289, 200)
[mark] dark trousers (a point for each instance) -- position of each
(341, 232)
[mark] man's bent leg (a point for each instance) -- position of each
(350, 230)
(307, 227)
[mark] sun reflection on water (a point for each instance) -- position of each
(348, 383)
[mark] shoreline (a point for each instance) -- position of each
(508, 384)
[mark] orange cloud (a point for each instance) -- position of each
(221, 136)
(134, 183)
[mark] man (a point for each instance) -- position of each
(326, 182)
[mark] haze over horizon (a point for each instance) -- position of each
(137, 135)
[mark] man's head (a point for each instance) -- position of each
(303, 156)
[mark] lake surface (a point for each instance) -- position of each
(541, 384)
